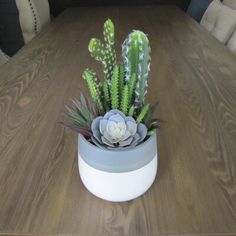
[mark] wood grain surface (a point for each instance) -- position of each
(192, 76)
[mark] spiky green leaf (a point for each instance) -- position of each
(151, 132)
(94, 88)
(121, 78)
(106, 92)
(143, 113)
(132, 85)
(115, 88)
(131, 110)
(125, 100)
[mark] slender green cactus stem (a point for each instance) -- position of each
(131, 110)
(94, 88)
(132, 85)
(125, 100)
(151, 132)
(121, 79)
(106, 92)
(143, 113)
(106, 96)
(106, 105)
(115, 88)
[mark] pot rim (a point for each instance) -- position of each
(117, 160)
(120, 150)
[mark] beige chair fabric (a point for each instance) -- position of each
(230, 3)
(220, 20)
(232, 43)
(225, 24)
(3, 57)
(33, 16)
(210, 16)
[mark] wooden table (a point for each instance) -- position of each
(192, 76)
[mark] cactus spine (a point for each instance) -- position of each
(136, 59)
(105, 52)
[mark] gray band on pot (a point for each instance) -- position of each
(118, 161)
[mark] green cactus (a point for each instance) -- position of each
(151, 132)
(109, 32)
(136, 59)
(106, 92)
(125, 100)
(121, 79)
(105, 105)
(132, 85)
(115, 88)
(96, 49)
(106, 96)
(131, 110)
(105, 52)
(143, 113)
(94, 88)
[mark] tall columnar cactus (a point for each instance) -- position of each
(94, 88)
(136, 59)
(105, 51)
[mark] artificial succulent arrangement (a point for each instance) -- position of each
(116, 115)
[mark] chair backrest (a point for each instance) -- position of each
(3, 57)
(33, 16)
(230, 3)
(197, 8)
(232, 43)
(220, 20)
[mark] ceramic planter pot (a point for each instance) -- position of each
(117, 175)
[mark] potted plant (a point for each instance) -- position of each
(117, 150)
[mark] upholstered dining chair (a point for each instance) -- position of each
(230, 3)
(220, 20)
(3, 57)
(33, 16)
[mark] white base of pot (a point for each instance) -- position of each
(118, 187)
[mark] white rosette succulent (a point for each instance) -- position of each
(114, 130)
